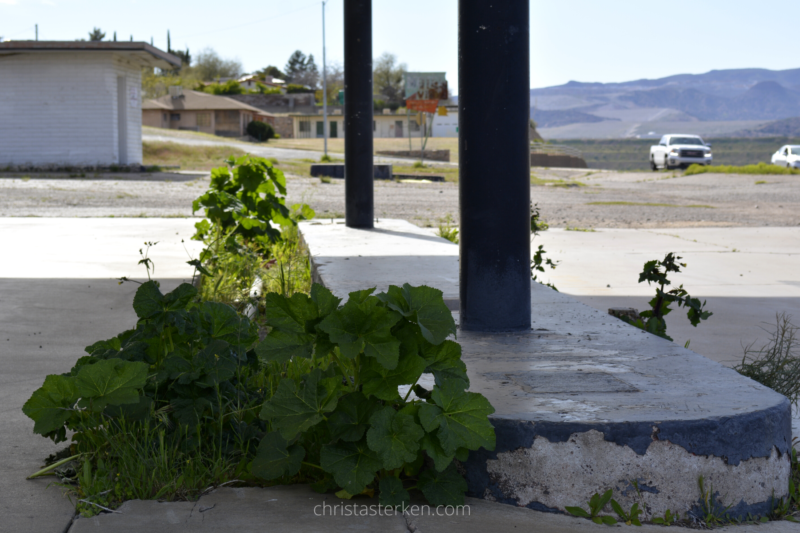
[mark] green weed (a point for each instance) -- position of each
(585, 230)
(596, 505)
(448, 230)
(652, 320)
(776, 364)
(760, 168)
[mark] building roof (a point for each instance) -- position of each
(149, 55)
(199, 101)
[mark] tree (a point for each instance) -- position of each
(96, 35)
(302, 70)
(115, 36)
(169, 43)
(271, 70)
(387, 78)
(335, 81)
(209, 66)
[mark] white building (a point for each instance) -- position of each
(74, 103)
(445, 125)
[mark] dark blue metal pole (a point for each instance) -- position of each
(358, 173)
(494, 164)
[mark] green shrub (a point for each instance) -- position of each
(245, 204)
(761, 168)
(293, 88)
(339, 406)
(777, 363)
(229, 87)
(262, 131)
(652, 320)
(317, 400)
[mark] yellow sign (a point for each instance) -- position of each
(442, 111)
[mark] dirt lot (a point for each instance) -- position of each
(574, 198)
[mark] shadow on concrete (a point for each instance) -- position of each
(107, 176)
(44, 326)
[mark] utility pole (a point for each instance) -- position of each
(324, 85)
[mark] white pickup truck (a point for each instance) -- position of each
(679, 150)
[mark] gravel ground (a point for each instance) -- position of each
(717, 199)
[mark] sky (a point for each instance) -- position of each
(583, 40)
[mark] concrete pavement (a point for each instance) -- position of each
(64, 296)
(298, 509)
(58, 294)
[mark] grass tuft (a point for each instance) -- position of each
(776, 364)
(186, 156)
(759, 169)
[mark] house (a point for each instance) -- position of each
(387, 124)
(74, 103)
(198, 111)
(251, 82)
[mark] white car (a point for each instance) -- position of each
(680, 150)
(788, 156)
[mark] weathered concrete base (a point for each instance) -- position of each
(584, 402)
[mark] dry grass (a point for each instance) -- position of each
(336, 146)
(188, 157)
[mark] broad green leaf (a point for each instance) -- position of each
(443, 488)
(577, 511)
(444, 362)
(289, 314)
(366, 327)
(215, 362)
(275, 458)
(133, 412)
(358, 297)
(280, 346)
(188, 411)
(111, 382)
(461, 418)
(294, 409)
(425, 306)
(382, 382)
(180, 297)
(352, 464)
(351, 418)
(433, 448)
(50, 406)
(326, 302)
(224, 323)
(394, 437)
(392, 493)
(148, 300)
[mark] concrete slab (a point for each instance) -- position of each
(298, 509)
(53, 302)
(293, 508)
(674, 415)
(486, 516)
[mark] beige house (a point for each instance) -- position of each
(312, 125)
(198, 111)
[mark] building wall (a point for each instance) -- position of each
(61, 109)
(445, 126)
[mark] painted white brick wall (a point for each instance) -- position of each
(61, 109)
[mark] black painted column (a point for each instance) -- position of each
(358, 173)
(494, 164)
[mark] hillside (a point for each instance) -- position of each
(789, 127)
(728, 100)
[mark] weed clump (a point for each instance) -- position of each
(777, 363)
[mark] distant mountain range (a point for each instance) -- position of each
(719, 95)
